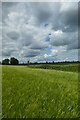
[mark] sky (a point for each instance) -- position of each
(40, 31)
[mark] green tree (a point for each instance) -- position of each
(14, 61)
(5, 62)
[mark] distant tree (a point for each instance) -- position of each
(35, 62)
(28, 62)
(53, 61)
(14, 61)
(5, 62)
(46, 62)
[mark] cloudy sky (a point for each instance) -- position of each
(39, 31)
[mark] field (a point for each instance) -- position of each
(30, 92)
(74, 67)
(0, 91)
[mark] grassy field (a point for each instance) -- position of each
(71, 67)
(0, 91)
(39, 93)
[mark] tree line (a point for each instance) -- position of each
(14, 61)
(11, 61)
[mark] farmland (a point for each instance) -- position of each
(34, 92)
(0, 91)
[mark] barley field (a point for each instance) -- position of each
(29, 92)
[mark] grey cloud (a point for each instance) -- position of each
(70, 20)
(66, 20)
(60, 43)
(45, 12)
(13, 35)
(6, 6)
(41, 13)
(26, 39)
(29, 19)
(74, 45)
(65, 39)
(31, 53)
(7, 52)
(0, 12)
(79, 15)
(60, 40)
(38, 45)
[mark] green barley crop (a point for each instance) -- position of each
(39, 93)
